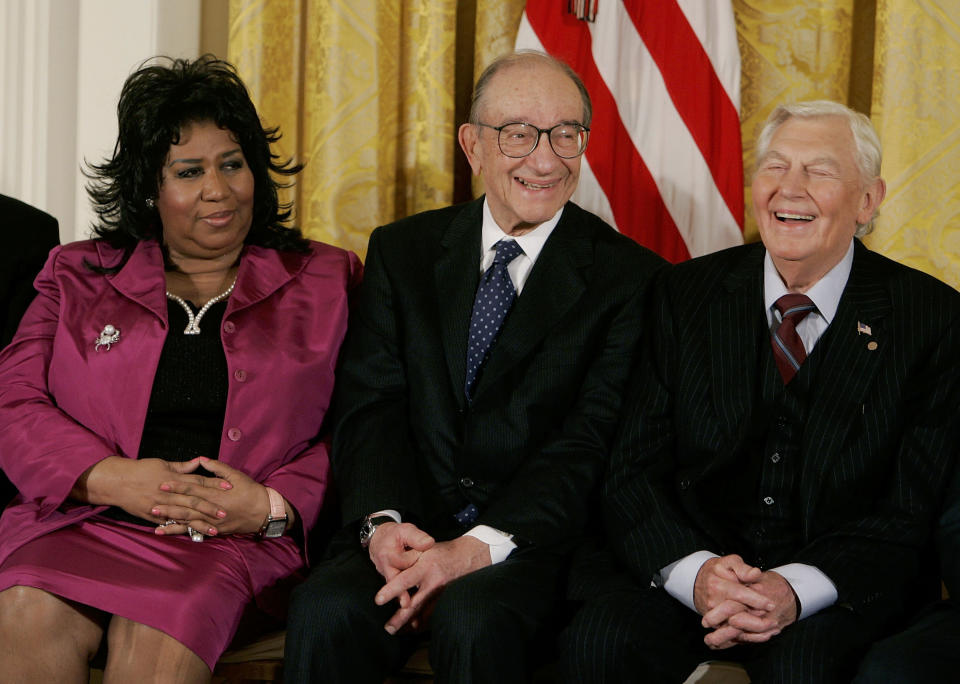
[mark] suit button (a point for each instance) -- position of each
(466, 482)
(684, 484)
(234, 434)
(775, 458)
(240, 375)
(229, 327)
(768, 500)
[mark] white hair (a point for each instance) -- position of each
(868, 154)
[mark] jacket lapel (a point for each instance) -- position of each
(262, 272)
(554, 285)
(848, 368)
(732, 329)
(457, 273)
(141, 278)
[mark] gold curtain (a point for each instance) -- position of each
(916, 108)
(369, 95)
(364, 93)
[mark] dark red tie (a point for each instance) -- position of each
(787, 346)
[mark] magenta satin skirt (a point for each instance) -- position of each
(194, 592)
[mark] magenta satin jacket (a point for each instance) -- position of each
(64, 405)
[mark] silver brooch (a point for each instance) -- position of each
(109, 335)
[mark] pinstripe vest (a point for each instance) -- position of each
(768, 516)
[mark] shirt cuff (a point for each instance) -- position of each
(500, 543)
(814, 590)
(679, 577)
(390, 513)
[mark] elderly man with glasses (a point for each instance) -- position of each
(477, 398)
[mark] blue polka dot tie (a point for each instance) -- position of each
(495, 296)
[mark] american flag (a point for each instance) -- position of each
(664, 162)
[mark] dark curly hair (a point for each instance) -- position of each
(158, 100)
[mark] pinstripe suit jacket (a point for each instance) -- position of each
(882, 429)
(533, 442)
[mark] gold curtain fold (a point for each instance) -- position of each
(369, 95)
(363, 91)
(272, 68)
(916, 108)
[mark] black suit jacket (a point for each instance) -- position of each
(881, 434)
(531, 445)
(28, 235)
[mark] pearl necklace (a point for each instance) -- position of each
(193, 322)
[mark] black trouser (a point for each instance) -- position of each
(927, 651)
(481, 627)
(645, 635)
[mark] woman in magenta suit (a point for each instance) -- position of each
(161, 403)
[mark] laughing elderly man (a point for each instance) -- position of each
(795, 420)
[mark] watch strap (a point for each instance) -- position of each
(277, 514)
(277, 509)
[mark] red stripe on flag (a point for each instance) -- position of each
(635, 200)
(697, 93)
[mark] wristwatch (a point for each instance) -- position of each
(276, 523)
(370, 525)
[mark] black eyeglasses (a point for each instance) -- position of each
(518, 139)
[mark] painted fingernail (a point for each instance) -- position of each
(221, 514)
(226, 485)
(211, 531)
(155, 511)
(391, 630)
(165, 487)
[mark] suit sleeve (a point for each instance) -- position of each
(372, 462)
(43, 236)
(647, 526)
(44, 469)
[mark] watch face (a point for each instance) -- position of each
(275, 528)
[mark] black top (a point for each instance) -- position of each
(189, 396)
